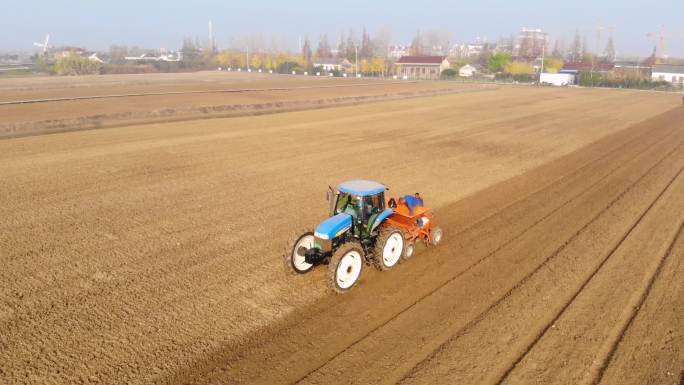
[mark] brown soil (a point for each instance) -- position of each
(151, 253)
(116, 100)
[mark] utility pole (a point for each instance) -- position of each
(356, 60)
(247, 56)
(541, 70)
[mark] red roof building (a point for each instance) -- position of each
(588, 67)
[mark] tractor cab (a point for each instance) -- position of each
(362, 200)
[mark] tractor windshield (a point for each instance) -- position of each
(348, 203)
(361, 208)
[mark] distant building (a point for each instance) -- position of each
(421, 67)
(467, 71)
(557, 79)
(467, 49)
(332, 64)
(532, 43)
(668, 72)
(148, 57)
(397, 51)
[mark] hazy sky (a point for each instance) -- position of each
(97, 24)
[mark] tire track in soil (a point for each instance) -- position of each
(654, 342)
(596, 371)
(190, 92)
(482, 315)
(498, 249)
(384, 323)
(612, 251)
(470, 358)
(589, 163)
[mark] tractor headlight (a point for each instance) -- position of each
(422, 221)
(321, 236)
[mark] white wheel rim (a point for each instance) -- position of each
(299, 260)
(409, 251)
(437, 236)
(392, 250)
(348, 270)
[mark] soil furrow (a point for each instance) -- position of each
(652, 349)
(416, 320)
(495, 251)
(605, 355)
(301, 319)
(552, 325)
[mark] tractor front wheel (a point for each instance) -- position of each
(295, 261)
(345, 267)
(388, 248)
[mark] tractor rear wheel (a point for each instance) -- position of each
(345, 267)
(388, 248)
(294, 253)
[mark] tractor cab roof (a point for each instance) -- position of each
(361, 187)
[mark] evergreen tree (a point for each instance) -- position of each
(306, 51)
(417, 48)
(341, 47)
(609, 52)
(366, 51)
(323, 49)
(557, 51)
(351, 47)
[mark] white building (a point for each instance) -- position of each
(557, 79)
(467, 49)
(532, 43)
(667, 72)
(397, 51)
(332, 64)
(467, 71)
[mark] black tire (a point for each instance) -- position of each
(348, 277)
(388, 234)
(290, 264)
(436, 236)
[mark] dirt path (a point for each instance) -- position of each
(151, 254)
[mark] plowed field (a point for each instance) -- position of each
(151, 253)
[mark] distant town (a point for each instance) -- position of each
(527, 56)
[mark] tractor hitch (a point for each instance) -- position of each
(315, 256)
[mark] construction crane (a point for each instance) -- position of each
(601, 31)
(660, 39)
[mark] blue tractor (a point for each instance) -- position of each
(364, 227)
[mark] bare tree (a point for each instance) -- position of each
(323, 49)
(576, 48)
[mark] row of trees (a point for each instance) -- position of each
(69, 64)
